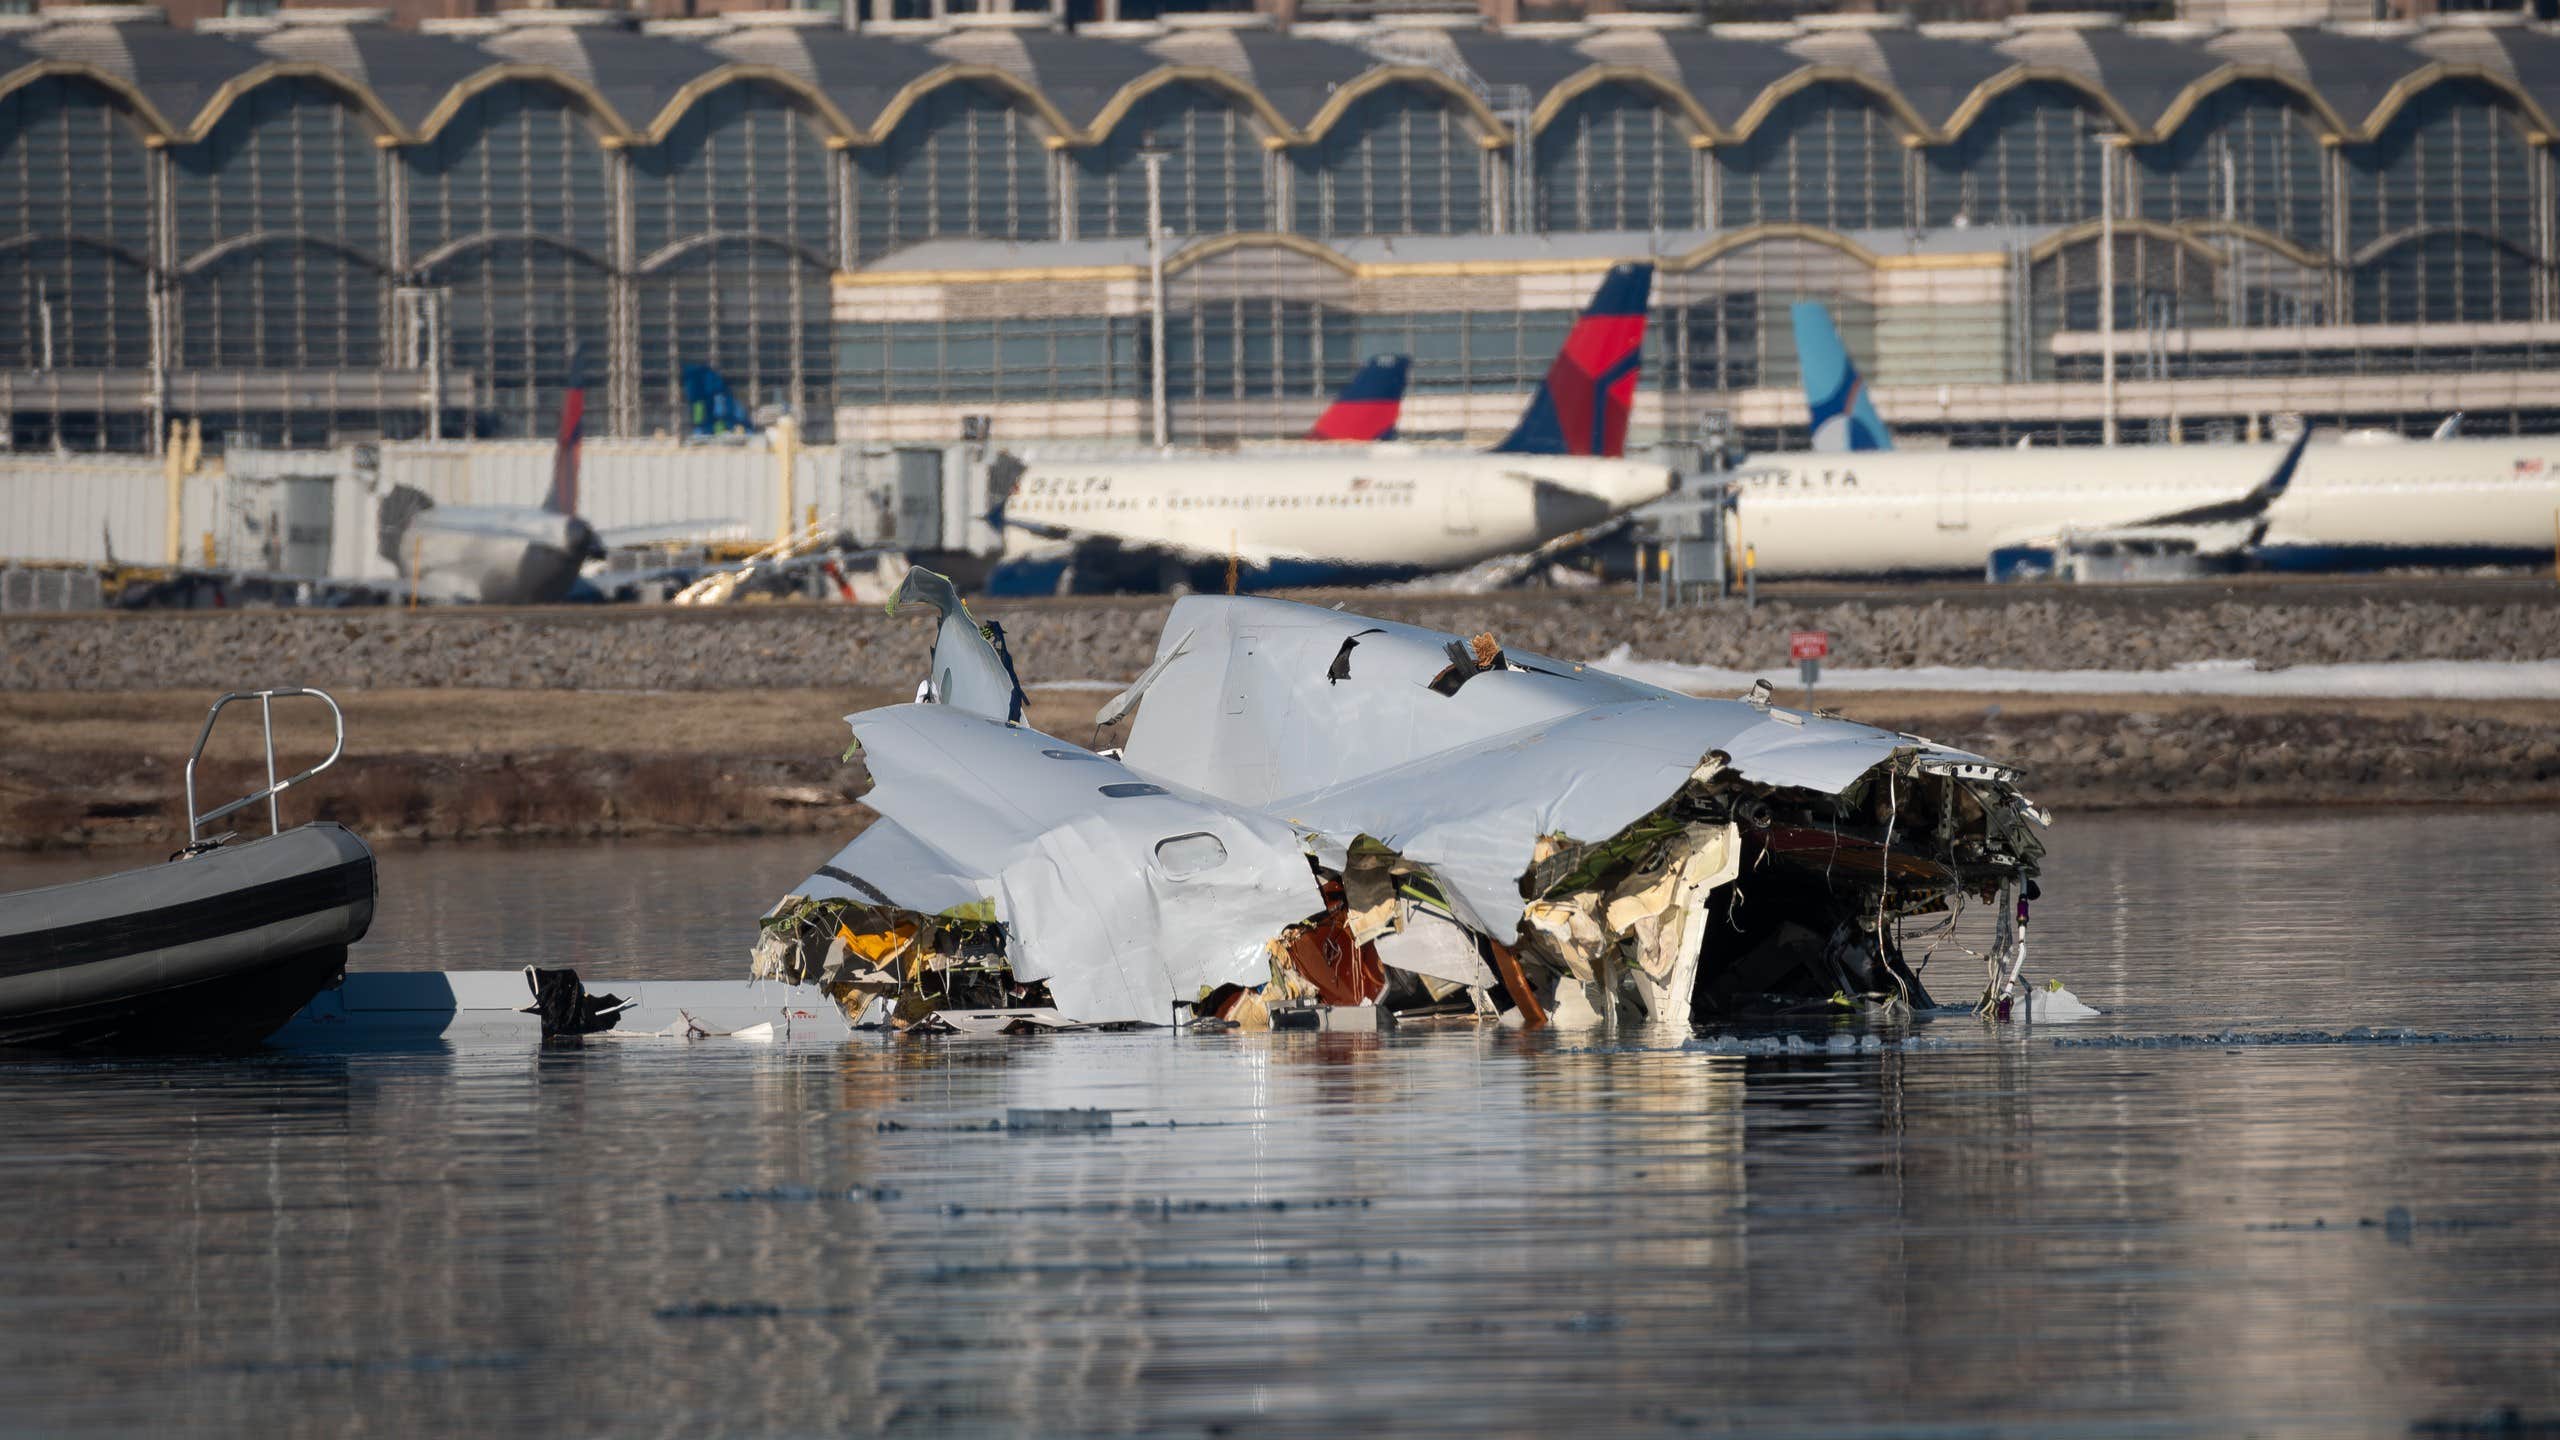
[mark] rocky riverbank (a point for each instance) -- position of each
(757, 648)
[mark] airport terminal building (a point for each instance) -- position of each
(316, 227)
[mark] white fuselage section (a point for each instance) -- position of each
(1367, 506)
(494, 554)
(1946, 510)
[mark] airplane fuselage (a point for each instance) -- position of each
(1361, 509)
(494, 554)
(1944, 511)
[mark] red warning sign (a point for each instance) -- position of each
(1809, 645)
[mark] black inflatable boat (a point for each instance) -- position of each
(214, 950)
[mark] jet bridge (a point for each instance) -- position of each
(933, 501)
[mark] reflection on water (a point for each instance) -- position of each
(1446, 1232)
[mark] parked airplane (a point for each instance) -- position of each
(1330, 515)
(497, 554)
(1368, 407)
(2333, 506)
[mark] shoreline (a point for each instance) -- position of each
(102, 771)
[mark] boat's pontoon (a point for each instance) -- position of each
(212, 950)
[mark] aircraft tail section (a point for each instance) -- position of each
(563, 499)
(709, 406)
(1583, 405)
(1844, 415)
(391, 522)
(1367, 407)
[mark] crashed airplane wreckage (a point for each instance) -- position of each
(1319, 810)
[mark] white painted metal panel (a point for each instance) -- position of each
(732, 489)
(70, 508)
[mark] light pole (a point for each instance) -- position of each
(2107, 283)
(1153, 157)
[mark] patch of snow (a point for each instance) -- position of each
(2398, 680)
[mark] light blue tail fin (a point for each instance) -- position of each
(1844, 418)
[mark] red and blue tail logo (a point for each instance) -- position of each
(563, 499)
(1582, 408)
(1367, 407)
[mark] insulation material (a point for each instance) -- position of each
(1435, 947)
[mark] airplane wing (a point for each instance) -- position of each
(2220, 528)
(721, 583)
(2249, 507)
(669, 532)
(1511, 569)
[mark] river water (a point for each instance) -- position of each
(1444, 1232)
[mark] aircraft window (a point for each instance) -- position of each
(1130, 790)
(1183, 856)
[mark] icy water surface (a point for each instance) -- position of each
(1443, 1232)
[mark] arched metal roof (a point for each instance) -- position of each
(860, 76)
(1079, 78)
(410, 74)
(2141, 74)
(173, 75)
(1719, 80)
(640, 76)
(1502, 61)
(1931, 75)
(2526, 57)
(2351, 73)
(640, 81)
(1298, 76)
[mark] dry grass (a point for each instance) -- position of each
(85, 769)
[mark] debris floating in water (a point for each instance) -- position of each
(1325, 821)
(2397, 1224)
(2049, 1003)
(1063, 1122)
(2236, 1039)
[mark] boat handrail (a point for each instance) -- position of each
(266, 712)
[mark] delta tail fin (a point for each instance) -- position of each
(1844, 415)
(563, 499)
(1583, 405)
(1367, 407)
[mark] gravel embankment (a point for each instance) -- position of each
(755, 648)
